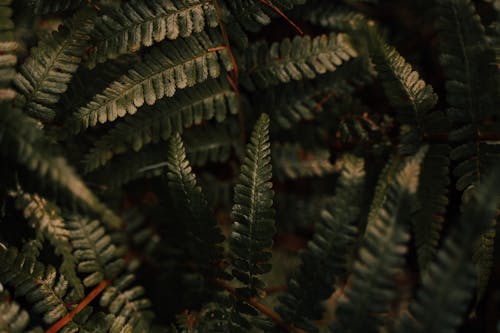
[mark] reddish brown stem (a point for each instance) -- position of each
(261, 307)
(280, 12)
(82, 305)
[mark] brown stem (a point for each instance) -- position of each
(82, 305)
(259, 306)
(280, 12)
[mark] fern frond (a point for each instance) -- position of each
(45, 75)
(13, 319)
(170, 66)
(128, 304)
(23, 142)
(189, 198)
(98, 257)
(46, 217)
(331, 15)
(433, 199)
(448, 287)
(41, 286)
(328, 251)
(141, 23)
(8, 48)
(293, 161)
(52, 6)
(291, 103)
(472, 94)
(254, 226)
(381, 257)
(409, 94)
(214, 99)
(293, 60)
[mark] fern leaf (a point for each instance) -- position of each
(166, 68)
(433, 200)
(253, 215)
(472, 94)
(193, 105)
(298, 101)
(410, 95)
(331, 15)
(328, 251)
(39, 285)
(381, 257)
(189, 197)
(46, 216)
(293, 161)
(141, 23)
(8, 48)
(98, 257)
(45, 75)
(52, 6)
(293, 60)
(448, 287)
(13, 319)
(23, 142)
(128, 304)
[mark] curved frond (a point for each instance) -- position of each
(214, 99)
(409, 94)
(328, 251)
(141, 23)
(165, 68)
(189, 198)
(381, 256)
(254, 226)
(8, 48)
(23, 142)
(45, 75)
(298, 59)
(448, 287)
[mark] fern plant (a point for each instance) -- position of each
(249, 166)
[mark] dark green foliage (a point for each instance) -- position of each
(380, 257)
(165, 69)
(472, 96)
(253, 215)
(23, 142)
(329, 250)
(293, 60)
(41, 89)
(242, 166)
(448, 286)
(141, 23)
(189, 198)
(187, 108)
